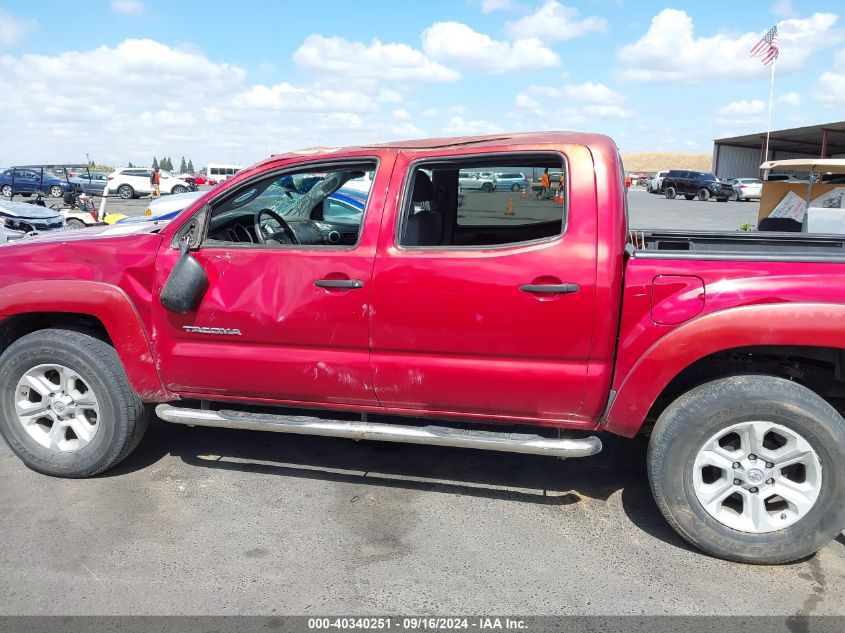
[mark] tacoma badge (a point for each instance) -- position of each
(224, 331)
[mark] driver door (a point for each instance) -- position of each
(282, 320)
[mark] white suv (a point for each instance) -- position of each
(131, 182)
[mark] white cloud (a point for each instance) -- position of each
(784, 9)
(357, 60)
(593, 93)
(459, 126)
(743, 108)
(670, 48)
(792, 99)
(554, 22)
(608, 111)
(129, 7)
(830, 87)
(489, 6)
(201, 108)
(741, 112)
(12, 30)
(454, 41)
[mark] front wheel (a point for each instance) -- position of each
(66, 406)
(703, 195)
(56, 191)
(514, 187)
(487, 187)
(179, 189)
(125, 192)
(751, 469)
(671, 193)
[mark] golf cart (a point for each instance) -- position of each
(814, 205)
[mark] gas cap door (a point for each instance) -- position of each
(676, 298)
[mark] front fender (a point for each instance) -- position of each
(107, 303)
(809, 324)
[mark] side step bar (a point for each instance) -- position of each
(434, 435)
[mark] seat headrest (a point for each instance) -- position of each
(423, 189)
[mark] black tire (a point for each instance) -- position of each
(671, 193)
(685, 426)
(689, 197)
(75, 223)
(122, 417)
(487, 187)
(6, 191)
(179, 189)
(126, 192)
(703, 194)
(56, 191)
(514, 187)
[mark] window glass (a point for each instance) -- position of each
(708, 177)
(213, 171)
(463, 203)
(301, 209)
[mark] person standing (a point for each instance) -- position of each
(544, 185)
(155, 180)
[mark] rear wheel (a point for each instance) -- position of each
(514, 187)
(751, 469)
(703, 194)
(6, 191)
(56, 191)
(671, 193)
(66, 406)
(126, 192)
(487, 187)
(75, 223)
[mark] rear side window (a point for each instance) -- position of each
(447, 205)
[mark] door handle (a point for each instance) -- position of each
(339, 283)
(558, 289)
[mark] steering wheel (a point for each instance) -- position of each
(259, 234)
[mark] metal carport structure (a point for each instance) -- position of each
(741, 156)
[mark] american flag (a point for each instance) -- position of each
(767, 47)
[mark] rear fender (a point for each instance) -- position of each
(107, 303)
(810, 324)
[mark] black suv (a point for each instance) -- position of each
(695, 184)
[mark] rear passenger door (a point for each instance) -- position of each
(483, 302)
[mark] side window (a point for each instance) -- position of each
(316, 207)
(463, 203)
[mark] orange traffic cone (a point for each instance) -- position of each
(559, 197)
(509, 210)
(523, 193)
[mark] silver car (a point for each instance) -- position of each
(746, 188)
(19, 219)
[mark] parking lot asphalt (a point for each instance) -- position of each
(215, 521)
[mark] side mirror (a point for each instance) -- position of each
(186, 285)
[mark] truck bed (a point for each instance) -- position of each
(737, 246)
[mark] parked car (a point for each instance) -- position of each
(93, 183)
(202, 179)
(473, 181)
(655, 184)
(244, 307)
(695, 184)
(132, 182)
(513, 181)
(31, 179)
(746, 188)
(19, 219)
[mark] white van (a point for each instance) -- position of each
(221, 172)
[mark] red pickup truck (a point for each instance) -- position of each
(321, 287)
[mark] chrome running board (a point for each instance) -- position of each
(432, 435)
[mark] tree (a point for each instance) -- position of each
(155, 163)
(130, 164)
(169, 164)
(183, 166)
(190, 166)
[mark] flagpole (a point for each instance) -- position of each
(771, 99)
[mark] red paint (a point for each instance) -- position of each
(441, 333)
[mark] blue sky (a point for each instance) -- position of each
(123, 80)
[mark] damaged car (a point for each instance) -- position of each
(18, 219)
